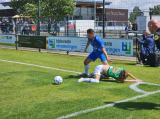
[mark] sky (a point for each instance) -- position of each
(119, 4)
(2, 7)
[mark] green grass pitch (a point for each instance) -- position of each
(28, 92)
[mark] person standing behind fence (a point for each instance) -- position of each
(114, 23)
(129, 27)
(55, 25)
(7, 26)
(17, 26)
(21, 24)
(135, 26)
(49, 25)
(3, 28)
(154, 28)
(126, 28)
(13, 26)
(111, 23)
(99, 51)
(148, 47)
(0, 27)
(32, 27)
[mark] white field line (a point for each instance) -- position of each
(38, 66)
(112, 104)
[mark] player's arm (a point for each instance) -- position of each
(130, 75)
(86, 46)
(105, 53)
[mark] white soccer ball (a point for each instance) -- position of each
(58, 80)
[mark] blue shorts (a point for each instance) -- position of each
(93, 56)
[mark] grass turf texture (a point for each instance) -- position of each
(28, 92)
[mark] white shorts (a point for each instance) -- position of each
(98, 69)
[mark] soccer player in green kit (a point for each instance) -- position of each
(117, 73)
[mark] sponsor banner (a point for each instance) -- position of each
(67, 43)
(119, 46)
(32, 41)
(113, 46)
(7, 39)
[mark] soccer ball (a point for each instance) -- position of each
(58, 80)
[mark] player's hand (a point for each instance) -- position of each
(138, 80)
(110, 61)
(85, 50)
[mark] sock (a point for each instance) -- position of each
(86, 67)
(92, 80)
(102, 76)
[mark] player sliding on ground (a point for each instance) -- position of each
(107, 71)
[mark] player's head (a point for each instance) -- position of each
(153, 25)
(90, 33)
(123, 75)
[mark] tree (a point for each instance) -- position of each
(155, 10)
(137, 11)
(47, 7)
(133, 15)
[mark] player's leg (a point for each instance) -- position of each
(86, 67)
(103, 59)
(97, 74)
(91, 80)
(92, 57)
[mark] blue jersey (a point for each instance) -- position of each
(97, 44)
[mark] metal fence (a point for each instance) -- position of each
(67, 28)
(76, 26)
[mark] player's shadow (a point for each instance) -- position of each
(136, 106)
(105, 80)
(77, 76)
(110, 80)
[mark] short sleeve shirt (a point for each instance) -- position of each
(114, 72)
(97, 44)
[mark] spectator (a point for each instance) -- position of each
(0, 27)
(40, 25)
(21, 24)
(130, 27)
(3, 26)
(111, 23)
(7, 26)
(26, 29)
(148, 47)
(135, 26)
(13, 26)
(49, 25)
(126, 28)
(17, 26)
(32, 27)
(55, 25)
(114, 23)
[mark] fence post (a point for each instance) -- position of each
(16, 42)
(67, 25)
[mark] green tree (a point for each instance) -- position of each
(133, 15)
(137, 11)
(47, 7)
(155, 10)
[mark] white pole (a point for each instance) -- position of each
(94, 14)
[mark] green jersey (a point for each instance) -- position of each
(114, 72)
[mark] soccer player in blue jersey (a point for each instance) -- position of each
(99, 51)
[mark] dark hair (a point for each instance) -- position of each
(90, 31)
(123, 74)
